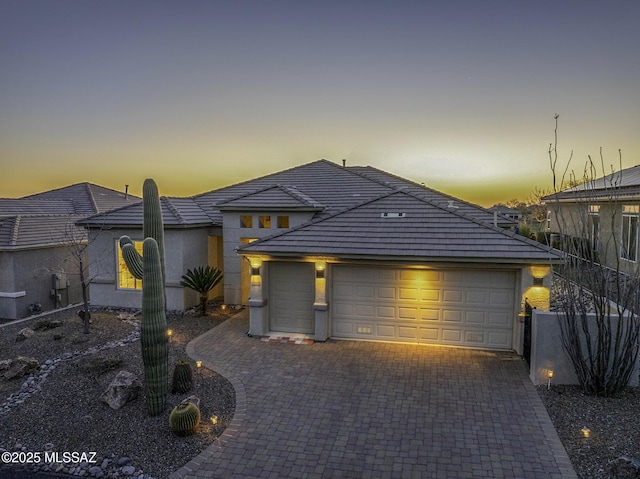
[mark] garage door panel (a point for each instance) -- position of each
(429, 314)
(476, 317)
(464, 308)
(408, 313)
(430, 295)
(408, 294)
(453, 296)
(387, 293)
(497, 318)
(452, 316)
(387, 312)
(429, 335)
(452, 336)
(408, 333)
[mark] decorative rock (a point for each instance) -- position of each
(96, 471)
(20, 366)
(5, 364)
(128, 470)
(99, 364)
(193, 399)
(123, 461)
(44, 324)
(124, 388)
(24, 334)
(625, 467)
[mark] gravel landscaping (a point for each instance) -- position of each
(57, 408)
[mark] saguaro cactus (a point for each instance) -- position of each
(152, 227)
(153, 333)
(150, 269)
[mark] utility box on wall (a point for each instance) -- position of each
(59, 281)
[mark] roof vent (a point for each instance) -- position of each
(451, 205)
(392, 215)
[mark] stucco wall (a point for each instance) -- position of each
(184, 249)
(30, 271)
(233, 235)
(548, 354)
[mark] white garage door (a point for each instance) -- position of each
(291, 296)
(449, 307)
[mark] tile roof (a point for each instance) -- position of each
(318, 184)
(31, 206)
(31, 231)
(436, 197)
(277, 197)
(176, 212)
(87, 198)
(413, 229)
(623, 184)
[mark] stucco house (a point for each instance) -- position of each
(327, 250)
(605, 214)
(38, 240)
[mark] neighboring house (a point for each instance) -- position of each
(334, 251)
(605, 213)
(38, 237)
(510, 213)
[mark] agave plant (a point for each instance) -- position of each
(202, 280)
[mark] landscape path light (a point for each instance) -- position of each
(549, 375)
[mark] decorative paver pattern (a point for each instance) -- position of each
(349, 409)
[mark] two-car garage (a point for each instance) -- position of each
(472, 308)
(454, 307)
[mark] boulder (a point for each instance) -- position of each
(124, 388)
(24, 333)
(98, 365)
(20, 366)
(5, 364)
(45, 324)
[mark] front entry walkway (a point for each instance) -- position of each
(350, 409)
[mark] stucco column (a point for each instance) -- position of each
(258, 312)
(320, 305)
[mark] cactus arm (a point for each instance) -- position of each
(153, 333)
(131, 257)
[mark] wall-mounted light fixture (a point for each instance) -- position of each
(538, 281)
(539, 271)
(320, 269)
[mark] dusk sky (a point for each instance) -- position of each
(460, 95)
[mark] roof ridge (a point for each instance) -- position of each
(92, 198)
(263, 177)
(15, 231)
(173, 209)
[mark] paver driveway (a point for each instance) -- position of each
(349, 409)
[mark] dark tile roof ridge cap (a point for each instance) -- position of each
(92, 199)
(15, 231)
(263, 177)
(298, 195)
(171, 207)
